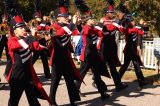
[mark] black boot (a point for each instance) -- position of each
(104, 96)
(73, 104)
(121, 87)
(95, 86)
(48, 76)
(54, 104)
(142, 83)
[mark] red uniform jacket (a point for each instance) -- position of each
(90, 37)
(62, 38)
(110, 28)
(131, 38)
(91, 32)
(43, 26)
(107, 44)
(21, 55)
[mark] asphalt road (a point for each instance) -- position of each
(132, 96)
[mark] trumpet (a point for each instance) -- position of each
(3, 29)
(43, 32)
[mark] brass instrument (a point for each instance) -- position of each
(3, 29)
(45, 34)
(52, 31)
(41, 34)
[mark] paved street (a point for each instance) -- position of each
(132, 96)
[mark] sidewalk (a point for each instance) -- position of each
(132, 96)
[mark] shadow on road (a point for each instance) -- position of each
(46, 81)
(132, 91)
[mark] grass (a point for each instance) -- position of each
(150, 74)
(130, 75)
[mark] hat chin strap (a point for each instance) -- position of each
(63, 15)
(110, 11)
(18, 25)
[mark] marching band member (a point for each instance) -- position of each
(108, 46)
(22, 76)
(90, 58)
(61, 61)
(42, 28)
(130, 51)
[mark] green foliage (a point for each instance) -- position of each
(27, 7)
(1, 9)
(148, 10)
(97, 7)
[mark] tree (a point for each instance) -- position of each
(149, 10)
(28, 6)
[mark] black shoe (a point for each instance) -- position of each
(104, 96)
(73, 104)
(54, 104)
(122, 87)
(48, 76)
(143, 83)
(95, 86)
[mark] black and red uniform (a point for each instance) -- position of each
(43, 53)
(62, 63)
(108, 49)
(90, 58)
(131, 52)
(22, 76)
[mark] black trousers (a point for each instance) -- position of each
(111, 61)
(44, 57)
(108, 52)
(92, 63)
(135, 59)
(64, 70)
(16, 89)
(3, 44)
